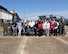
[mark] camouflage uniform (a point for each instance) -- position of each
(5, 27)
(61, 28)
(10, 28)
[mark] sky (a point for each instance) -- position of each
(32, 8)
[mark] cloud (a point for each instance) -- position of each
(55, 13)
(60, 13)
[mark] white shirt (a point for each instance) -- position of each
(46, 25)
(31, 24)
(57, 25)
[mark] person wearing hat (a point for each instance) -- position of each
(14, 27)
(5, 27)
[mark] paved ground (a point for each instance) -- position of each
(34, 45)
(10, 45)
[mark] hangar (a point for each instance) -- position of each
(5, 14)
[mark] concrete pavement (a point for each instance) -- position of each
(10, 45)
(34, 45)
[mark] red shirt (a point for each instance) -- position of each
(40, 26)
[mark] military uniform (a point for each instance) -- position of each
(61, 28)
(10, 28)
(5, 27)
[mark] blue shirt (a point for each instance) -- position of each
(19, 26)
(14, 24)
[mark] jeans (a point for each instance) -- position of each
(36, 31)
(32, 31)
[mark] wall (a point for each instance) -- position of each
(5, 15)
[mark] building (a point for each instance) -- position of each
(4, 14)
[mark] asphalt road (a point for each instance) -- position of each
(34, 45)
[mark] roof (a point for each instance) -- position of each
(3, 8)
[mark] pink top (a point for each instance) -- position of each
(52, 26)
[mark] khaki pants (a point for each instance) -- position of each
(5, 31)
(14, 32)
(46, 32)
(19, 34)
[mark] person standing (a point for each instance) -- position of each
(19, 27)
(14, 27)
(47, 28)
(40, 28)
(10, 27)
(56, 28)
(36, 28)
(62, 27)
(44, 27)
(23, 27)
(5, 27)
(56, 24)
(52, 26)
(31, 24)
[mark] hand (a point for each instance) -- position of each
(8, 27)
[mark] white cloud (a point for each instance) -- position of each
(60, 13)
(56, 13)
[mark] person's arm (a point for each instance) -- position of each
(12, 26)
(58, 23)
(64, 25)
(3, 24)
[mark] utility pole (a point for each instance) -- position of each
(24, 14)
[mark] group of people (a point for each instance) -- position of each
(47, 27)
